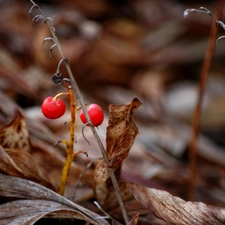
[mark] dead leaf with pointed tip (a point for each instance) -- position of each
(15, 135)
(121, 132)
(175, 210)
(120, 136)
(15, 149)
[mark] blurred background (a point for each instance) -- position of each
(119, 50)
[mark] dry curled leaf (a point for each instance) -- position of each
(175, 210)
(36, 202)
(29, 211)
(121, 132)
(15, 135)
(120, 136)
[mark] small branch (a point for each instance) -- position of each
(202, 85)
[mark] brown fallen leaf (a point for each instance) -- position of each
(175, 210)
(36, 202)
(19, 163)
(15, 135)
(121, 132)
(120, 136)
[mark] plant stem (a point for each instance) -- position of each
(197, 113)
(65, 172)
(83, 106)
(112, 175)
(60, 94)
(69, 146)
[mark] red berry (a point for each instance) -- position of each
(96, 115)
(53, 108)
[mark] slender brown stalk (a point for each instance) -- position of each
(80, 98)
(198, 109)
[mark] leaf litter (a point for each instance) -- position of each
(38, 202)
(148, 70)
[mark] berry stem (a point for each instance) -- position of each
(69, 145)
(65, 172)
(60, 94)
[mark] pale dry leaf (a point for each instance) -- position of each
(37, 201)
(15, 135)
(29, 211)
(175, 210)
(101, 175)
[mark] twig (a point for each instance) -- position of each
(201, 91)
(80, 98)
(107, 216)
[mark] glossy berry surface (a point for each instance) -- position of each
(53, 108)
(96, 115)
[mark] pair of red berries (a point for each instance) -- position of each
(53, 108)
